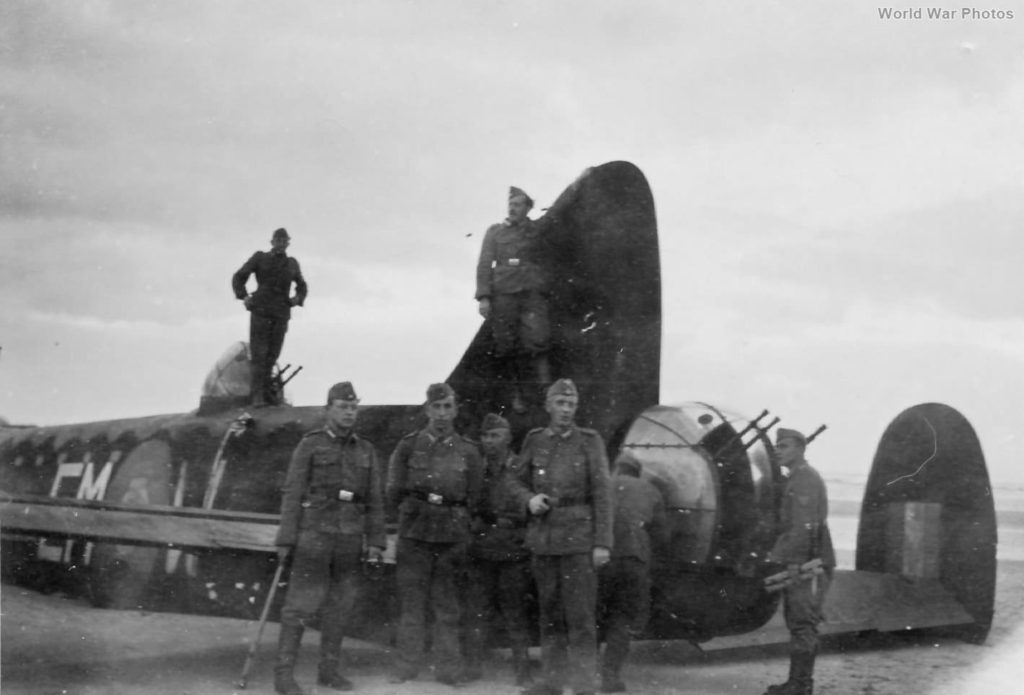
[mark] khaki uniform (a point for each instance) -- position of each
(436, 486)
(804, 536)
(571, 468)
(333, 499)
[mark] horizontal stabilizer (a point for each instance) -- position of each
(865, 601)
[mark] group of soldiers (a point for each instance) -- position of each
(482, 530)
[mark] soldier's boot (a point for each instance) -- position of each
(801, 676)
(521, 665)
(329, 675)
(329, 669)
(287, 655)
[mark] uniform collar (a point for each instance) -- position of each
(350, 439)
(434, 439)
(552, 432)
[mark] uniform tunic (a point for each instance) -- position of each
(804, 536)
(511, 273)
(571, 468)
(499, 578)
(269, 311)
(435, 484)
(625, 582)
(333, 499)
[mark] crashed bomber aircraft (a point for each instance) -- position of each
(179, 512)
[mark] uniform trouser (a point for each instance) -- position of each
(428, 575)
(494, 587)
(324, 577)
(624, 590)
(520, 324)
(803, 601)
(567, 593)
(266, 338)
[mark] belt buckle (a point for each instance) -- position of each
(513, 262)
(434, 498)
(346, 495)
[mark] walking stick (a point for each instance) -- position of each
(259, 631)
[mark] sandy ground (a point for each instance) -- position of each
(52, 644)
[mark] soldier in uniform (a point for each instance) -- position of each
(333, 503)
(269, 308)
(512, 286)
(434, 479)
(499, 578)
(624, 584)
(804, 536)
(561, 477)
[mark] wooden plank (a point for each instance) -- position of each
(178, 527)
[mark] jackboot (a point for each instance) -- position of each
(801, 676)
(328, 670)
(521, 665)
(287, 655)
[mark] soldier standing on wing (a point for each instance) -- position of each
(804, 536)
(270, 309)
(333, 503)
(562, 478)
(434, 479)
(499, 578)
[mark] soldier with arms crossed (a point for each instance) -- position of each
(333, 503)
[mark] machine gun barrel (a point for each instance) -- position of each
(815, 433)
(752, 425)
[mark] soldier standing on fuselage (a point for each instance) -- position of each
(804, 536)
(561, 477)
(434, 479)
(512, 287)
(499, 575)
(624, 584)
(333, 501)
(270, 308)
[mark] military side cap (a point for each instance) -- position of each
(280, 232)
(627, 460)
(563, 387)
(342, 391)
(438, 392)
(783, 433)
(514, 192)
(494, 422)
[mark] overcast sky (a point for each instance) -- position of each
(838, 196)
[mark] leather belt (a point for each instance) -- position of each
(336, 492)
(435, 499)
